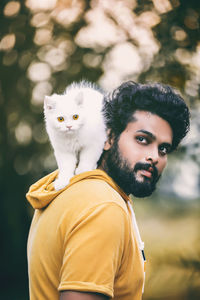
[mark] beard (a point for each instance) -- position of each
(120, 171)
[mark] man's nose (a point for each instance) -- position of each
(152, 158)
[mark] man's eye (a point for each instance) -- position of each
(163, 150)
(141, 139)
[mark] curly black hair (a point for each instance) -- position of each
(162, 100)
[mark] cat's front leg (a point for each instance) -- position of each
(88, 159)
(66, 166)
(60, 183)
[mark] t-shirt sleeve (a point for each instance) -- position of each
(93, 250)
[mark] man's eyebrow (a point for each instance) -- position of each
(151, 135)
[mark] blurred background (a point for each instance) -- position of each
(47, 44)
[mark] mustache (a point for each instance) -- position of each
(146, 166)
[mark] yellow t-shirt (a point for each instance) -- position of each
(81, 238)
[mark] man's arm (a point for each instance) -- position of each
(70, 295)
(93, 252)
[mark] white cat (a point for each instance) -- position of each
(76, 129)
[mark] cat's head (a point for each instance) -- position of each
(64, 113)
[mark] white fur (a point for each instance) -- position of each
(79, 148)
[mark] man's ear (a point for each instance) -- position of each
(110, 140)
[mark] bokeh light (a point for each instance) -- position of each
(11, 8)
(7, 42)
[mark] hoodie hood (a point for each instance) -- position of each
(42, 192)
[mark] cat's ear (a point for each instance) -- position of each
(49, 103)
(79, 99)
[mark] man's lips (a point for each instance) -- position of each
(147, 173)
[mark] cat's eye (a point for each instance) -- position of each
(75, 117)
(60, 119)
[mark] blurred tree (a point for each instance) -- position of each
(14, 92)
(178, 30)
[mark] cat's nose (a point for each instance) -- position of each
(69, 127)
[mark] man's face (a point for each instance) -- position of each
(136, 160)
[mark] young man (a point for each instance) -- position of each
(84, 242)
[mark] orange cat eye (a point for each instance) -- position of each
(60, 119)
(75, 117)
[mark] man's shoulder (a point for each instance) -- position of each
(92, 192)
(89, 201)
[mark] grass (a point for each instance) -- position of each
(172, 248)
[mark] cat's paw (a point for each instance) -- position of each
(82, 169)
(59, 184)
